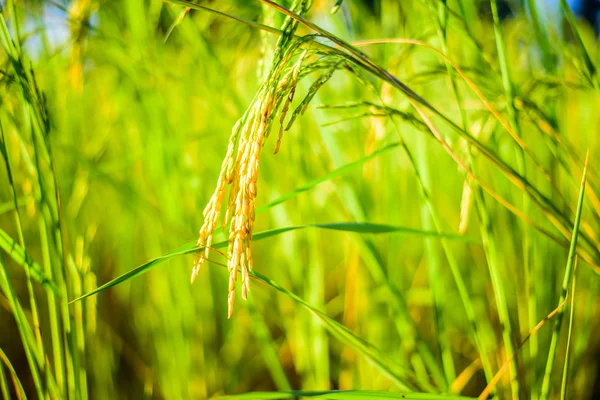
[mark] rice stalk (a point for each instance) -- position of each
(565, 376)
(546, 383)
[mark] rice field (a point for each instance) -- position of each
(299, 199)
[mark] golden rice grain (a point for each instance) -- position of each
(240, 167)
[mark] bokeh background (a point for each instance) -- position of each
(140, 106)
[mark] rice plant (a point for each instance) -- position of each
(422, 224)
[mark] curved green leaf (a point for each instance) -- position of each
(355, 227)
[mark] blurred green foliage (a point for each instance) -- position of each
(115, 118)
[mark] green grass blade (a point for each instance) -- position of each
(546, 383)
(380, 229)
(354, 227)
(565, 375)
(186, 249)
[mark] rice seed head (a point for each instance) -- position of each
(241, 165)
(240, 173)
